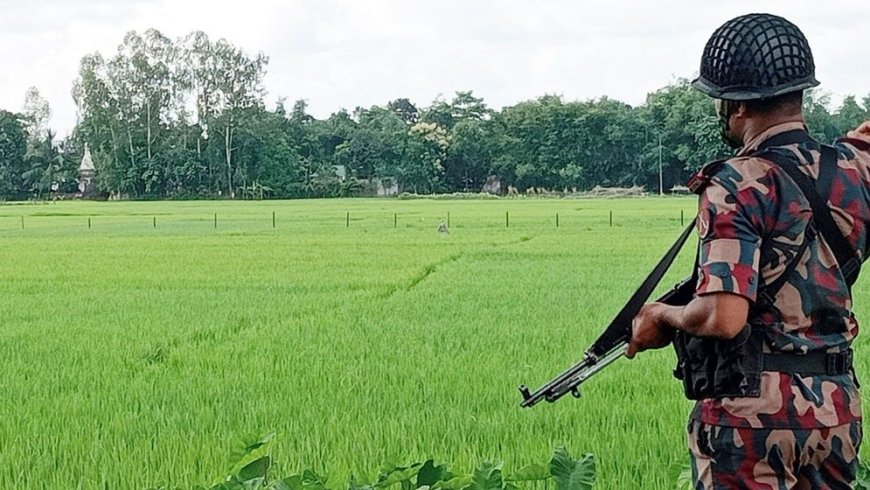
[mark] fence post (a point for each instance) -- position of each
(273, 219)
(348, 220)
(89, 223)
(395, 220)
(681, 217)
(448, 219)
(611, 218)
(22, 222)
(557, 220)
(155, 222)
(507, 219)
(215, 220)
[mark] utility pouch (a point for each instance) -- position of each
(717, 368)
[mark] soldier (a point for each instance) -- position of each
(764, 347)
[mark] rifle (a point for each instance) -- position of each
(612, 343)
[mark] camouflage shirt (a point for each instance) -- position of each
(751, 220)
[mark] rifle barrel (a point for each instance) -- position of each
(569, 380)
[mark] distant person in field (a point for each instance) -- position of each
(765, 345)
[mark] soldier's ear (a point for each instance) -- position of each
(741, 110)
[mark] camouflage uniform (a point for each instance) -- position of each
(752, 218)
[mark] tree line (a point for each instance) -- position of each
(186, 118)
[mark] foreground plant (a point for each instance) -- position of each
(252, 470)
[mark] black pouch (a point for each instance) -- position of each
(717, 368)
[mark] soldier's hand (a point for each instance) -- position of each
(863, 131)
(648, 331)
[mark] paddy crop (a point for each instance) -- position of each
(141, 341)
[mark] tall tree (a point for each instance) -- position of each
(422, 168)
(35, 116)
(466, 106)
(103, 125)
(820, 121)
(406, 111)
(682, 134)
(468, 159)
(13, 147)
(45, 165)
(238, 86)
(851, 114)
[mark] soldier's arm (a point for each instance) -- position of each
(720, 315)
(711, 315)
(729, 214)
(729, 210)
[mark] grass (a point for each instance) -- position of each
(136, 356)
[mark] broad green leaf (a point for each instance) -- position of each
(455, 483)
(249, 446)
(532, 472)
(355, 485)
(684, 481)
(571, 474)
(863, 482)
(228, 485)
(487, 477)
(390, 465)
(250, 452)
(279, 485)
(313, 481)
(255, 469)
(398, 475)
(254, 484)
(290, 483)
(430, 474)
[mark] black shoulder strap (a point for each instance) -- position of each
(767, 294)
(827, 171)
(793, 137)
(846, 256)
(620, 328)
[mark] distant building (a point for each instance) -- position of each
(387, 187)
(340, 172)
(492, 185)
(86, 173)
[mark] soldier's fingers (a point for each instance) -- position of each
(862, 130)
(632, 347)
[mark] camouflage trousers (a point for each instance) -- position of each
(774, 459)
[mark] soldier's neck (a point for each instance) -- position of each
(757, 125)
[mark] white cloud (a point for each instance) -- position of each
(344, 53)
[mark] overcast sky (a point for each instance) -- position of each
(347, 53)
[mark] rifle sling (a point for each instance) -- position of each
(846, 257)
(619, 329)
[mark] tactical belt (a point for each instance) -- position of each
(814, 363)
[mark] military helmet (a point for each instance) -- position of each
(756, 56)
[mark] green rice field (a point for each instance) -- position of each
(140, 342)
